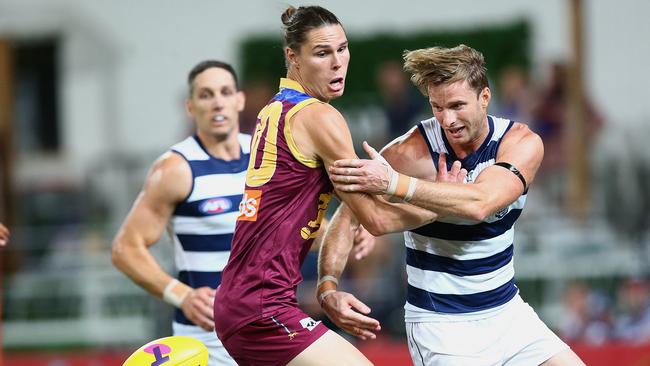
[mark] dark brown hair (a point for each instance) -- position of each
(207, 64)
(298, 22)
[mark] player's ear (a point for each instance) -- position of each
(189, 108)
(241, 101)
(484, 97)
(292, 57)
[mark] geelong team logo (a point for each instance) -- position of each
(215, 206)
(250, 205)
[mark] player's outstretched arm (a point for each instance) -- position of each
(168, 182)
(495, 188)
(409, 154)
(322, 133)
(345, 310)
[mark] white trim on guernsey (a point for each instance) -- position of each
(224, 184)
(449, 284)
(191, 150)
(200, 261)
(460, 250)
(207, 225)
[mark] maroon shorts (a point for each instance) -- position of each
(274, 340)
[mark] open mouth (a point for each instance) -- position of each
(456, 130)
(336, 84)
(218, 118)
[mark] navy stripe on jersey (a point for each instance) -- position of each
(478, 232)
(195, 280)
(431, 262)
(209, 206)
(212, 166)
(205, 243)
(445, 303)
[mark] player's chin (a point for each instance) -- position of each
(336, 94)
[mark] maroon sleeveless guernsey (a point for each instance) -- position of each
(285, 200)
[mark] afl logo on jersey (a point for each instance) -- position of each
(215, 206)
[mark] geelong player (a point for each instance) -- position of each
(194, 190)
(463, 307)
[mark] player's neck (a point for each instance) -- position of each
(295, 76)
(463, 150)
(221, 147)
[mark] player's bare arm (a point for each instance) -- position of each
(168, 182)
(495, 188)
(321, 132)
(410, 155)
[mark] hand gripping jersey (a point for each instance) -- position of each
(201, 226)
(459, 267)
(284, 202)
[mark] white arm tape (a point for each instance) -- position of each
(411, 190)
(171, 293)
(394, 178)
(327, 278)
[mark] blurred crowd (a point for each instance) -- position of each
(593, 317)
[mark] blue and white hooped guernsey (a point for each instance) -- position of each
(202, 225)
(459, 268)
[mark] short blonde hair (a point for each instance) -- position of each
(441, 65)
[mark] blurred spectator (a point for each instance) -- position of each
(4, 235)
(400, 100)
(633, 325)
(587, 316)
(549, 118)
(514, 94)
(258, 93)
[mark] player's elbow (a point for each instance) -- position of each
(375, 225)
(118, 255)
(479, 210)
(478, 213)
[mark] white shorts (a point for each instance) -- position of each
(515, 336)
(218, 354)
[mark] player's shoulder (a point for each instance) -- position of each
(409, 154)
(520, 132)
(319, 112)
(520, 140)
(169, 177)
(171, 167)
(321, 119)
(409, 145)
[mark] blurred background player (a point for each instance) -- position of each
(195, 190)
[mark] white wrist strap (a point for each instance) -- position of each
(409, 194)
(392, 184)
(175, 292)
(327, 278)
